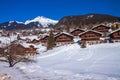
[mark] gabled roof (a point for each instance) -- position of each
(90, 31)
(77, 29)
(16, 45)
(63, 33)
(100, 25)
(114, 31)
(45, 37)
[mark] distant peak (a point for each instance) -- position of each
(44, 21)
(11, 21)
(41, 17)
(16, 22)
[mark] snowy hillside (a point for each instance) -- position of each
(96, 62)
(42, 20)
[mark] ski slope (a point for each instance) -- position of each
(96, 62)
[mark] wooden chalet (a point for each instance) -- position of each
(44, 40)
(31, 50)
(90, 37)
(102, 28)
(115, 35)
(19, 49)
(34, 41)
(76, 32)
(63, 39)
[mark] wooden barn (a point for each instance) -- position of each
(76, 32)
(102, 28)
(115, 35)
(90, 37)
(63, 39)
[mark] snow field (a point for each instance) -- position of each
(70, 62)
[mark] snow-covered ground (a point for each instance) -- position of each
(96, 62)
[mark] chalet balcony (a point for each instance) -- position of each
(90, 39)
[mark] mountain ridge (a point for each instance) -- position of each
(43, 20)
(38, 22)
(73, 21)
(85, 21)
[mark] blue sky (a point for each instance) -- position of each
(22, 10)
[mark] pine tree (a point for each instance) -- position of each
(51, 41)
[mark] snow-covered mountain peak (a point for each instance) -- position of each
(43, 21)
(15, 22)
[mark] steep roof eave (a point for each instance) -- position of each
(64, 33)
(114, 31)
(91, 31)
(100, 25)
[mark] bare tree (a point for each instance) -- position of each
(14, 55)
(14, 59)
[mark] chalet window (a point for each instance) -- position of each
(100, 28)
(91, 35)
(62, 37)
(85, 36)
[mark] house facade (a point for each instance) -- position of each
(76, 32)
(115, 35)
(102, 28)
(63, 39)
(31, 50)
(34, 41)
(19, 49)
(44, 40)
(90, 37)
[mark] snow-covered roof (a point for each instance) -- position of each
(45, 36)
(29, 37)
(100, 25)
(27, 45)
(114, 31)
(64, 33)
(91, 31)
(77, 29)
